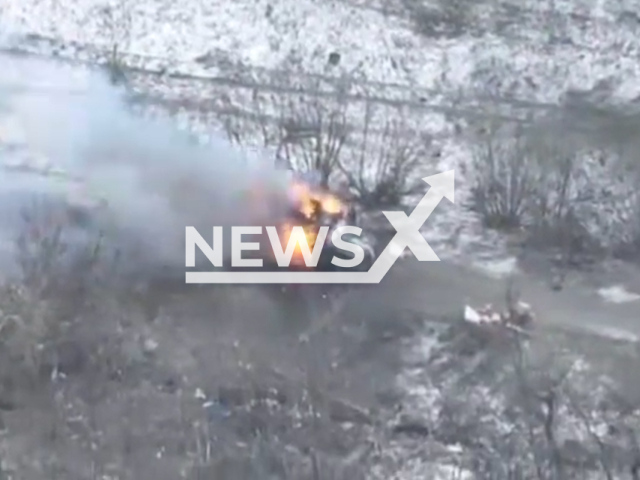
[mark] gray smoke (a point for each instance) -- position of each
(155, 178)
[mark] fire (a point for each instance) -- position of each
(311, 203)
(310, 236)
(310, 207)
(332, 205)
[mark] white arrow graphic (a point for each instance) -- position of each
(408, 236)
(408, 228)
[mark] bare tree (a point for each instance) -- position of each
(386, 162)
(537, 409)
(51, 263)
(57, 282)
(531, 180)
(116, 22)
(505, 178)
(238, 128)
(314, 137)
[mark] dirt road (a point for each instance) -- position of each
(443, 288)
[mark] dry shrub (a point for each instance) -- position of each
(266, 458)
(525, 179)
(314, 136)
(444, 19)
(539, 409)
(386, 161)
(59, 279)
(262, 125)
(619, 206)
(505, 179)
(306, 134)
(55, 263)
(116, 23)
(23, 329)
(377, 158)
(562, 195)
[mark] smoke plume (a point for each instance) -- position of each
(155, 178)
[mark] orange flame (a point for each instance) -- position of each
(310, 199)
(310, 236)
(310, 202)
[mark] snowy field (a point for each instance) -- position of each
(240, 68)
(210, 63)
(585, 45)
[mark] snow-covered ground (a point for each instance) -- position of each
(207, 61)
(246, 62)
(578, 52)
(468, 383)
(255, 58)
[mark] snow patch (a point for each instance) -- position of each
(497, 268)
(213, 37)
(615, 333)
(618, 294)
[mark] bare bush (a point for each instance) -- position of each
(377, 159)
(524, 179)
(505, 179)
(314, 137)
(307, 135)
(59, 279)
(615, 194)
(53, 263)
(384, 169)
(538, 411)
(116, 23)
(562, 194)
(443, 19)
(262, 125)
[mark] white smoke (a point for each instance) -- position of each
(154, 177)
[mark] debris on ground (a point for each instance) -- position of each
(412, 426)
(519, 315)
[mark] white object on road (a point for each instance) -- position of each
(618, 294)
(485, 315)
(471, 316)
(519, 315)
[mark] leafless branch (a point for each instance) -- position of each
(314, 137)
(383, 171)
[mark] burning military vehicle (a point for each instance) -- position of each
(313, 207)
